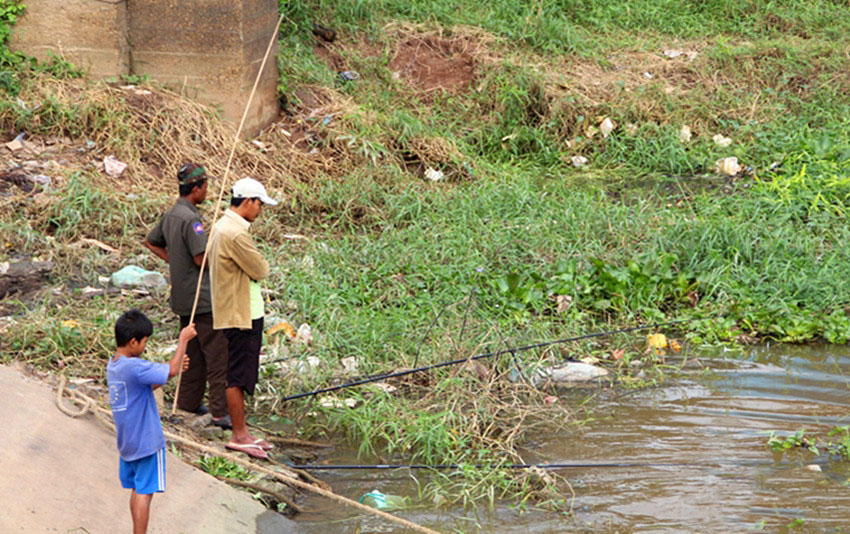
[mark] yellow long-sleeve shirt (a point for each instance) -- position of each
(234, 261)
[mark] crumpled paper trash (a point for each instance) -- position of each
(578, 161)
(113, 166)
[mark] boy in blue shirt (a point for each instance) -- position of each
(131, 381)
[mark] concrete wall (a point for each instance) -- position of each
(91, 34)
(210, 49)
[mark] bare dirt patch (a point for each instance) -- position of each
(431, 63)
(329, 56)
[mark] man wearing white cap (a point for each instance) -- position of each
(235, 267)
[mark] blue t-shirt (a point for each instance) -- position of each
(133, 405)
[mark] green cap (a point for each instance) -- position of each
(190, 173)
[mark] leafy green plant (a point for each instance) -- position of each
(796, 440)
(797, 522)
(9, 12)
(840, 444)
(222, 467)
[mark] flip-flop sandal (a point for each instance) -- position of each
(263, 444)
(250, 449)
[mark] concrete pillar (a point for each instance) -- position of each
(210, 48)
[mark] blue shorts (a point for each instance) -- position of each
(145, 475)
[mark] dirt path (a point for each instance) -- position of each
(60, 474)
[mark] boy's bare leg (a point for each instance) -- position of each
(236, 407)
(140, 508)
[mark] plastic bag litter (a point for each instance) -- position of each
(304, 334)
(433, 174)
(284, 327)
(674, 53)
(578, 161)
(727, 166)
(606, 127)
(133, 276)
(722, 141)
(382, 501)
(349, 75)
(349, 364)
(656, 343)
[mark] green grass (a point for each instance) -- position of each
(568, 26)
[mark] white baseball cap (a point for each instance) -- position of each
(250, 188)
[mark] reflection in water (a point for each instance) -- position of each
(696, 454)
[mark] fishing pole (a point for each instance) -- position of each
(509, 350)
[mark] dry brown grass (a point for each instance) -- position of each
(155, 130)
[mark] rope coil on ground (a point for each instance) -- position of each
(289, 478)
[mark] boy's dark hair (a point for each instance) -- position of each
(132, 324)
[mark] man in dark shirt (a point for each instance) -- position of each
(179, 239)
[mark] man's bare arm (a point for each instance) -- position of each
(159, 251)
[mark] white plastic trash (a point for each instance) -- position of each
(113, 166)
(579, 161)
(727, 166)
(433, 174)
(606, 127)
(722, 141)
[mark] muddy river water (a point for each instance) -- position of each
(691, 456)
